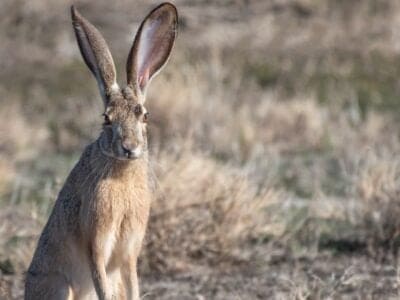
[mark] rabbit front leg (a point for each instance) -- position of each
(99, 276)
(98, 270)
(129, 273)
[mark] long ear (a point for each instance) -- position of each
(95, 53)
(152, 46)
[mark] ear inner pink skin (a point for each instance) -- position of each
(143, 79)
(148, 46)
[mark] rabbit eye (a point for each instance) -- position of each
(138, 110)
(146, 117)
(107, 120)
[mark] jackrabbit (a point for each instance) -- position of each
(90, 244)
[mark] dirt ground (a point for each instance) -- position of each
(354, 277)
(325, 277)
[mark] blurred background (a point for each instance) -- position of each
(274, 140)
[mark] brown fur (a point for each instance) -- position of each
(90, 244)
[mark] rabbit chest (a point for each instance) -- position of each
(119, 213)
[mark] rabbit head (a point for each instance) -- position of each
(125, 116)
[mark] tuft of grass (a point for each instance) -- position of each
(204, 213)
(376, 188)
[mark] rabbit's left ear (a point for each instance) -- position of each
(152, 46)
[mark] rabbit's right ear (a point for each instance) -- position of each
(95, 53)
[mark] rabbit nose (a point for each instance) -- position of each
(128, 148)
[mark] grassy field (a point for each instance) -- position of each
(274, 143)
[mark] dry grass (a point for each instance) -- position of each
(377, 194)
(205, 213)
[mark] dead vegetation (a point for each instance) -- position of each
(209, 210)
